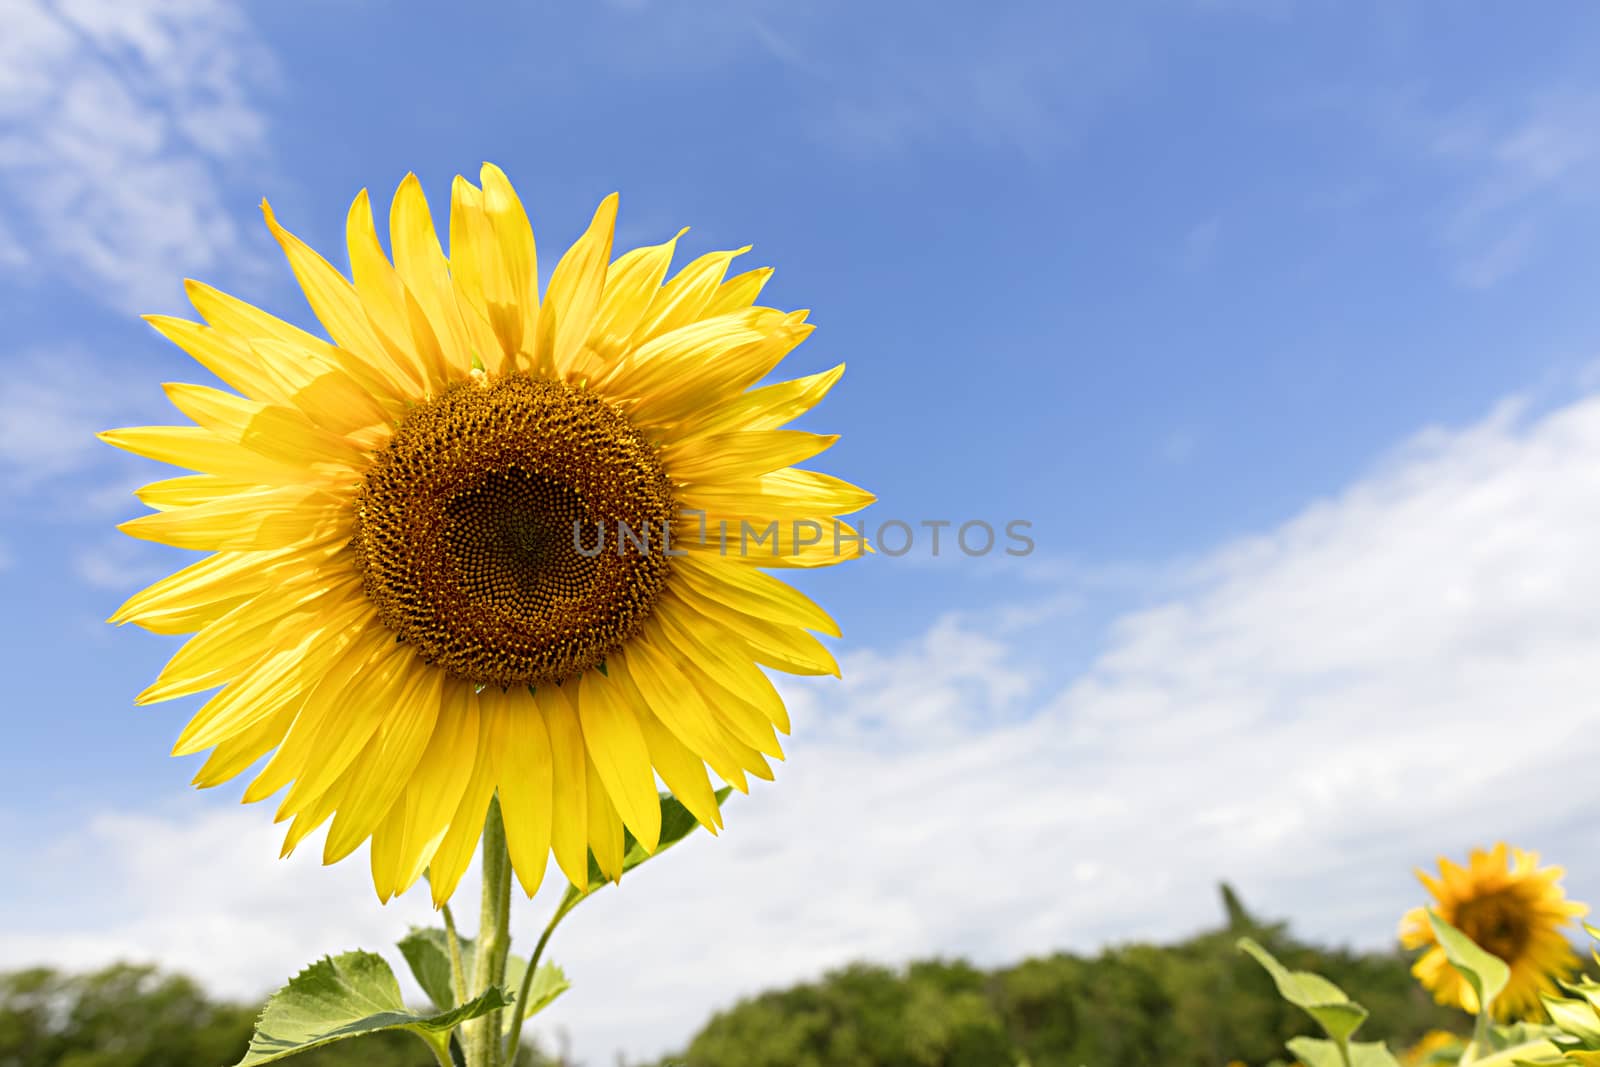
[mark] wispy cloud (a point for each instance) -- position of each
(51, 406)
(998, 83)
(120, 118)
(118, 564)
(1398, 671)
(1525, 166)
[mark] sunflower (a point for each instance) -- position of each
(1433, 1048)
(1511, 908)
(486, 544)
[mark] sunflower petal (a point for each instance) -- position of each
(527, 777)
(569, 830)
(576, 285)
(617, 751)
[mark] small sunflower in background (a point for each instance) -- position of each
(469, 547)
(1435, 1048)
(1511, 908)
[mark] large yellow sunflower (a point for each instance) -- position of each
(483, 543)
(1513, 909)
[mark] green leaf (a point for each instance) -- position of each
(549, 982)
(348, 996)
(427, 953)
(1337, 1014)
(1319, 1052)
(1485, 973)
(676, 824)
(1575, 1017)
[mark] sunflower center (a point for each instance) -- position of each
(1498, 922)
(513, 530)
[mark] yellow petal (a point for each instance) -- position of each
(189, 490)
(617, 750)
(569, 829)
(315, 813)
(687, 297)
(733, 686)
(788, 648)
(440, 781)
(205, 590)
(386, 855)
(605, 826)
(474, 257)
(420, 262)
(228, 357)
(392, 757)
(679, 706)
(238, 752)
(276, 684)
(683, 772)
(753, 593)
(781, 496)
(568, 312)
(719, 685)
(334, 724)
(334, 301)
(511, 291)
(466, 823)
(281, 434)
(271, 518)
(742, 454)
(766, 408)
(737, 292)
(224, 649)
(383, 300)
(812, 541)
(632, 282)
(198, 449)
(527, 779)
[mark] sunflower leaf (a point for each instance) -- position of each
(1486, 974)
(427, 953)
(549, 982)
(348, 996)
(1577, 1018)
(1320, 1052)
(677, 822)
(1336, 1013)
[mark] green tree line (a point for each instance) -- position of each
(1198, 1003)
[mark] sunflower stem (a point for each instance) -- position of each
(568, 902)
(482, 1045)
(458, 977)
(441, 1051)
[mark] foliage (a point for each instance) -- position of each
(1195, 1004)
(135, 1016)
(1199, 1003)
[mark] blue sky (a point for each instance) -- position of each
(1273, 317)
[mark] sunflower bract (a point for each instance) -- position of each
(468, 544)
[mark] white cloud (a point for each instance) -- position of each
(50, 412)
(1404, 670)
(1028, 83)
(119, 564)
(119, 117)
(1543, 155)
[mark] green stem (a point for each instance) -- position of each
(494, 940)
(458, 978)
(568, 902)
(441, 1051)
